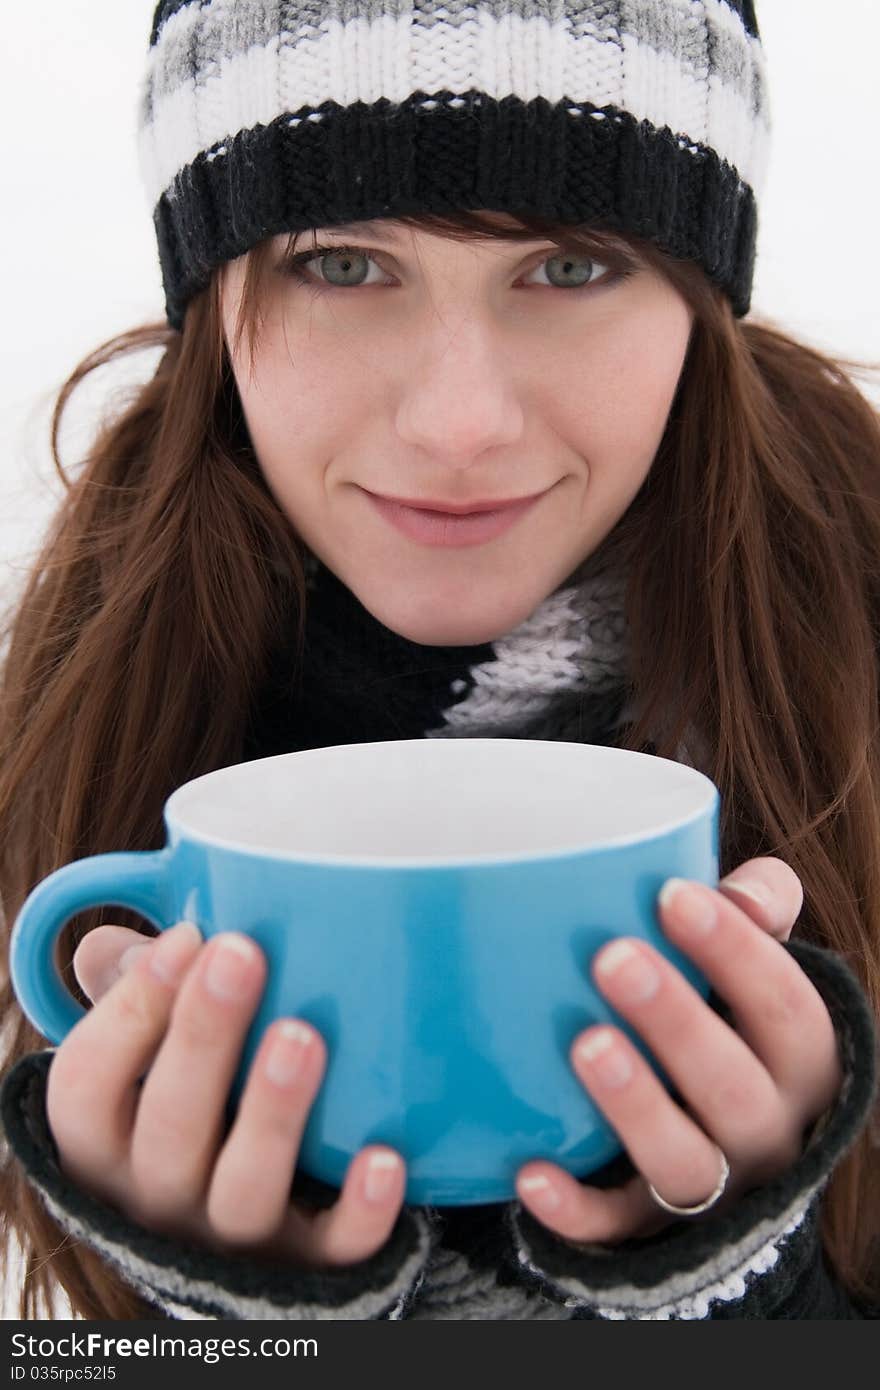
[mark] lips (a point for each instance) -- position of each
(430, 527)
(459, 508)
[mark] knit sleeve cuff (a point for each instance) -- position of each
(186, 1281)
(756, 1259)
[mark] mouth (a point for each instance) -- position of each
(459, 508)
(473, 523)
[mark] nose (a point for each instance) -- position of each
(461, 400)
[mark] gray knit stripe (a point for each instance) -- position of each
(716, 68)
(173, 1289)
(574, 640)
(690, 1293)
(454, 1289)
(707, 38)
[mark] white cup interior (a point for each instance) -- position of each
(439, 801)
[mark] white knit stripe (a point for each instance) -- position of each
(690, 1294)
(174, 1288)
(390, 58)
(454, 1288)
(706, 36)
(179, 1311)
(574, 640)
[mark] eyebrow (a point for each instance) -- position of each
(386, 234)
(355, 229)
(387, 237)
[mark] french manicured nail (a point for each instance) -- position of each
(229, 971)
(607, 1062)
(692, 906)
(287, 1051)
(541, 1191)
(131, 956)
(758, 892)
(381, 1176)
(635, 979)
(171, 952)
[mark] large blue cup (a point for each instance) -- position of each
(431, 906)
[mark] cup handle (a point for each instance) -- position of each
(136, 879)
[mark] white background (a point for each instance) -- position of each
(80, 261)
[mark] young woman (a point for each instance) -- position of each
(525, 285)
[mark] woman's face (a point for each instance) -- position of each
(442, 371)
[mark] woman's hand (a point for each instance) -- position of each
(750, 1089)
(178, 1010)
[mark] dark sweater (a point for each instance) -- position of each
(361, 682)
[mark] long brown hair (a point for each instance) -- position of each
(169, 574)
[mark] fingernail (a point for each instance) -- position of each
(381, 1176)
(541, 1191)
(693, 907)
(607, 1062)
(133, 954)
(228, 973)
(758, 892)
(635, 978)
(171, 952)
(287, 1051)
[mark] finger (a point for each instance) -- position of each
(282, 1084)
(182, 1107)
(103, 954)
(362, 1218)
(666, 1145)
(584, 1214)
(776, 1009)
(92, 1083)
(714, 1070)
(769, 891)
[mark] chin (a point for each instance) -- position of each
(447, 615)
(446, 636)
(455, 630)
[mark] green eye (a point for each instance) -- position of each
(344, 267)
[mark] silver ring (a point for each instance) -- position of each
(701, 1206)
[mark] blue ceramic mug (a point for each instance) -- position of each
(431, 906)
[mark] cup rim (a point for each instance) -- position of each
(179, 830)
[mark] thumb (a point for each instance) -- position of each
(104, 954)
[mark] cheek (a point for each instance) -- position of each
(628, 399)
(298, 402)
(275, 417)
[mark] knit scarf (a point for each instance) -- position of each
(561, 674)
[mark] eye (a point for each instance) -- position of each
(574, 270)
(345, 266)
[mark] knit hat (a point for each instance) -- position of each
(259, 117)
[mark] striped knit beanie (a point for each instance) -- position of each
(259, 117)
